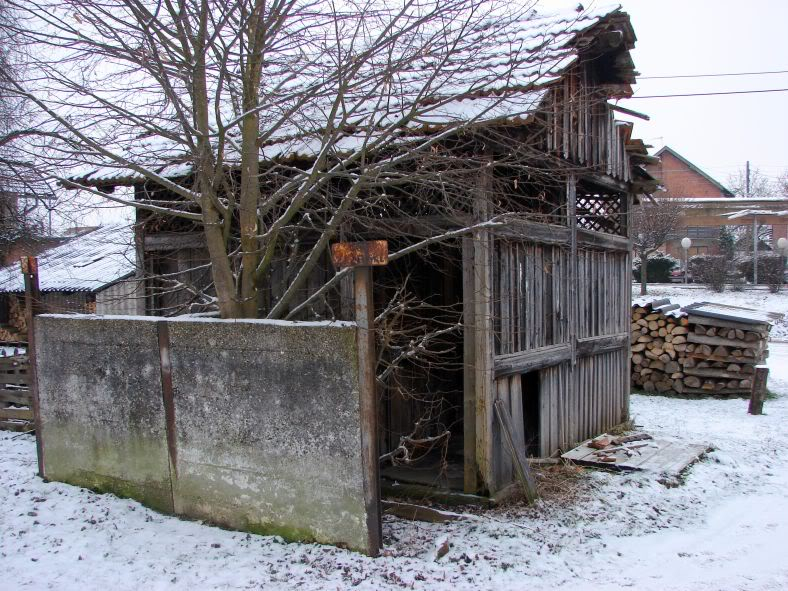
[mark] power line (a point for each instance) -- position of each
(712, 75)
(710, 93)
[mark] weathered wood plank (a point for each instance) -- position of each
(517, 451)
(525, 361)
(16, 413)
(16, 397)
(706, 340)
(718, 322)
(483, 322)
(601, 344)
(470, 468)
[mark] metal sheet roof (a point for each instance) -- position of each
(733, 313)
(89, 262)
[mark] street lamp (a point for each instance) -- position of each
(685, 244)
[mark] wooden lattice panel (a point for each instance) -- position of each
(600, 213)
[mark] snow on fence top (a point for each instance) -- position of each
(90, 262)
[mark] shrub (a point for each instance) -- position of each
(770, 269)
(710, 269)
(659, 267)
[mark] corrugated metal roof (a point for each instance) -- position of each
(89, 262)
(733, 313)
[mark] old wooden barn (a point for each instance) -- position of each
(522, 283)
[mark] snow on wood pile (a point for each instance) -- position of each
(90, 262)
(698, 349)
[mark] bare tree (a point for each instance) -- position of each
(760, 185)
(20, 190)
(358, 92)
(652, 224)
(782, 184)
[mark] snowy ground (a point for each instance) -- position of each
(758, 298)
(724, 528)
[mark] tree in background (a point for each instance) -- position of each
(652, 224)
(761, 185)
(20, 189)
(727, 243)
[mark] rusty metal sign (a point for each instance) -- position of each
(29, 265)
(374, 253)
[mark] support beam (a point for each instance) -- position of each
(470, 468)
(483, 328)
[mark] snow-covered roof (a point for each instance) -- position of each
(502, 73)
(742, 213)
(92, 261)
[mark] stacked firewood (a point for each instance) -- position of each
(688, 354)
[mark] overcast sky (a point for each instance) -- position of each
(687, 37)
(717, 133)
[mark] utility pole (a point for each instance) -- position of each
(747, 179)
(755, 250)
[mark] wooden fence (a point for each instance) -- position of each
(16, 406)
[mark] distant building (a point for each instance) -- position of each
(709, 200)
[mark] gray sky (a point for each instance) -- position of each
(681, 37)
(717, 133)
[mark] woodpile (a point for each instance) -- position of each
(673, 351)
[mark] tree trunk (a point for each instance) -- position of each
(644, 273)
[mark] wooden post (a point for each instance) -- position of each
(32, 308)
(362, 256)
(365, 318)
(758, 394)
(470, 468)
(483, 331)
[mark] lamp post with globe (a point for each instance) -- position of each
(685, 244)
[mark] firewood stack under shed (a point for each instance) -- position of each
(703, 348)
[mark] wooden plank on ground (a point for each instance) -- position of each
(657, 456)
(419, 512)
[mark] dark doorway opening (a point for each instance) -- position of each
(531, 409)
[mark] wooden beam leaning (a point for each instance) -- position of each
(517, 450)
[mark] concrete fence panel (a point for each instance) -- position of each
(101, 407)
(252, 425)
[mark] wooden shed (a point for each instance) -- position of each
(532, 274)
(90, 272)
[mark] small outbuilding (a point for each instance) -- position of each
(92, 272)
(525, 292)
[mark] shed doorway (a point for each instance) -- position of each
(419, 307)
